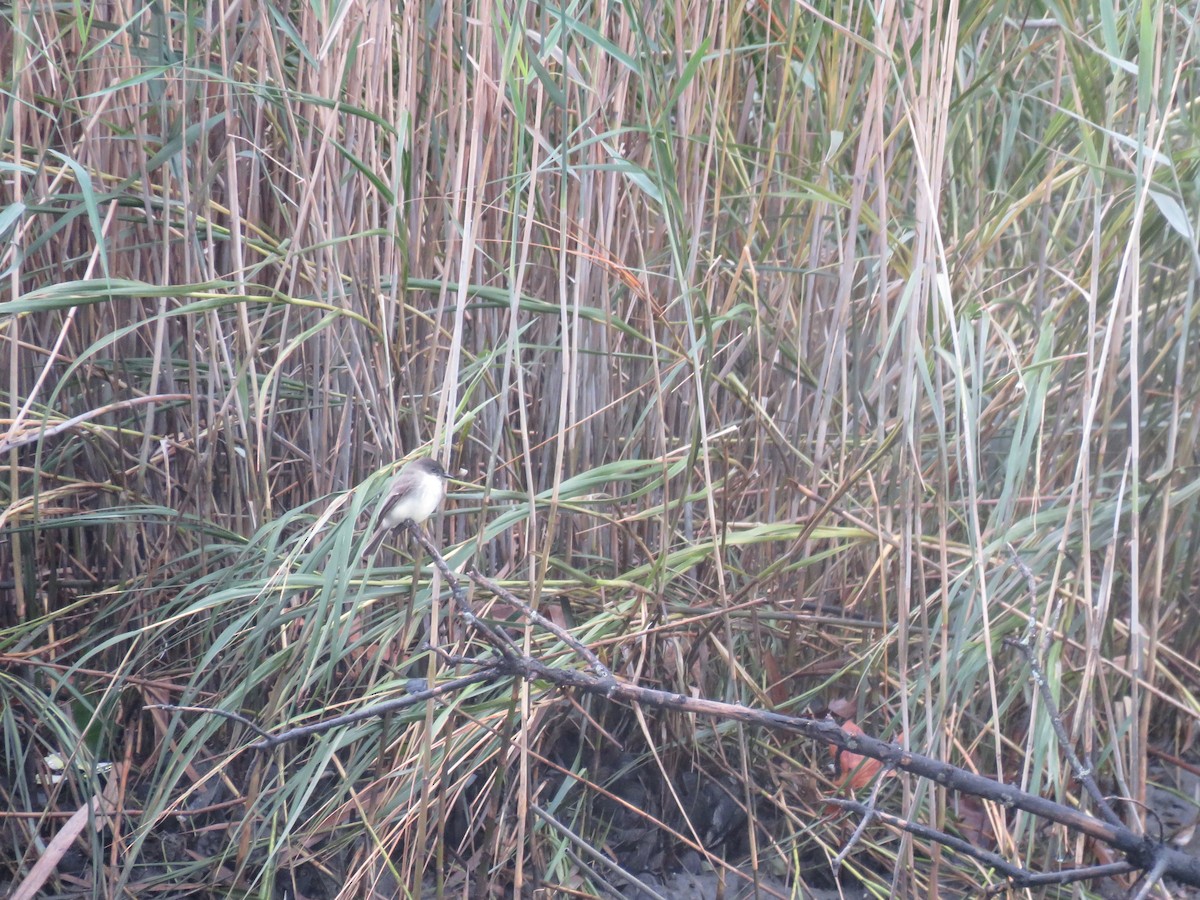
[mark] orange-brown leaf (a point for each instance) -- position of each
(856, 771)
(777, 688)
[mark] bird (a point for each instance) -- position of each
(414, 496)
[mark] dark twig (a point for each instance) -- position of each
(1070, 876)
(1084, 770)
(1141, 852)
(267, 741)
(453, 659)
(869, 814)
(1153, 877)
(994, 860)
(456, 588)
(376, 709)
(223, 713)
(1084, 774)
(593, 661)
(1030, 583)
(1018, 876)
(500, 642)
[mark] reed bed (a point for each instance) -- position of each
(768, 338)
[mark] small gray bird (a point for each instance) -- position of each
(414, 496)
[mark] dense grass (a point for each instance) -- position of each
(766, 335)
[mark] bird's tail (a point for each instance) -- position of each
(375, 542)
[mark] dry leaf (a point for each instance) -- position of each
(974, 822)
(777, 688)
(856, 771)
(843, 708)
